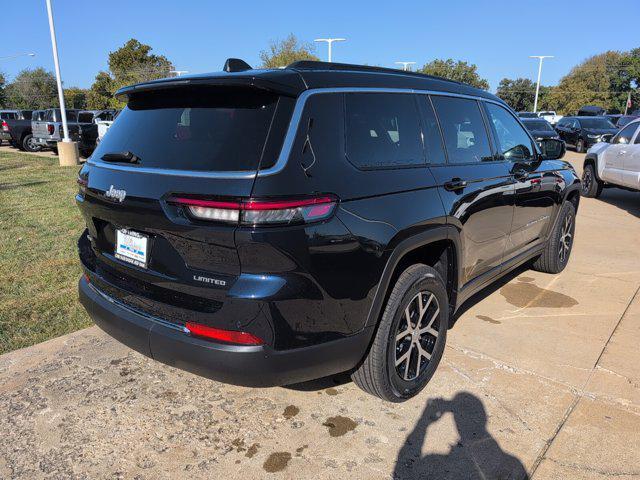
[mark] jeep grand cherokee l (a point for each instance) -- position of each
(268, 227)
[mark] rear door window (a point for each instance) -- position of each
(431, 132)
(194, 128)
(465, 134)
(513, 141)
(383, 130)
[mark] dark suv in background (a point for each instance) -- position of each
(276, 226)
(582, 132)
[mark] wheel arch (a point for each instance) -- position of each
(573, 195)
(438, 247)
(592, 159)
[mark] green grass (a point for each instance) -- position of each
(39, 267)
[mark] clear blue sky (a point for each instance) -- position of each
(198, 35)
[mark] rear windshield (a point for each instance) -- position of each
(85, 117)
(56, 115)
(538, 125)
(193, 128)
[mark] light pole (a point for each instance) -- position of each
(329, 42)
(405, 65)
(67, 150)
(18, 55)
(540, 58)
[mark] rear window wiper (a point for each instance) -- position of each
(125, 157)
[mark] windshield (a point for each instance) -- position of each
(539, 125)
(193, 128)
(596, 122)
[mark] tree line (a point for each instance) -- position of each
(606, 79)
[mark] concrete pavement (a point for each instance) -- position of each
(540, 379)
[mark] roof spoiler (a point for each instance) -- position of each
(248, 81)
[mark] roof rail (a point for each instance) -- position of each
(313, 65)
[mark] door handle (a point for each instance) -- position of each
(622, 152)
(455, 184)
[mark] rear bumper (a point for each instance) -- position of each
(252, 366)
(44, 142)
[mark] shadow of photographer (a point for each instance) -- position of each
(477, 454)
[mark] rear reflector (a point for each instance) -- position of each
(260, 212)
(228, 336)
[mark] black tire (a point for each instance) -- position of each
(379, 372)
(54, 150)
(556, 253)
(591, 186)
(580, 146)
(29, 145)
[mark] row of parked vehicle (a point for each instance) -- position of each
(591, 126)
(35, 130)
(612, 143)
(619, 120)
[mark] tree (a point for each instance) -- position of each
(131, 63)
(32, 89)
(2, 92)
(518, 93)
(603, 80)
(75, 97)
(134, 63)
(634, 74)
(282, 53)
(456, 70)
(100, 94)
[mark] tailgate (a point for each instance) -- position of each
(39, 129)
(147, 251)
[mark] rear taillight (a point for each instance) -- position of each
(51, 129)
(228, 336)
(258, 211)
(5, 126)
(82, 184)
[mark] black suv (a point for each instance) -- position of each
(268, 227)
(582, 132)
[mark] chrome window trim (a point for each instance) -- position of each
(289, 138)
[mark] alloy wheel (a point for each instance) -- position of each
(416, 335)
(566, 237)
(31, 144)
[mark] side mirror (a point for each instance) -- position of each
(552, 149)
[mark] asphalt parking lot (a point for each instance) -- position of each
(540, 379)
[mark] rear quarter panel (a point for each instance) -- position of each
(378, 209)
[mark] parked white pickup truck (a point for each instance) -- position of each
(550, 116)
(613, 164)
